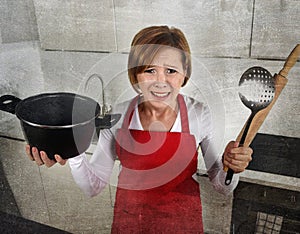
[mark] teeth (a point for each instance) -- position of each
(160, 94)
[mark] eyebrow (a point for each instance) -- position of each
(165, 65)
(168, 65)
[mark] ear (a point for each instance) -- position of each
(184, 73)
(137, 88)
(185, 70)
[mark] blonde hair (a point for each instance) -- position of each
(148, 42)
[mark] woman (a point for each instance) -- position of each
(156, 143)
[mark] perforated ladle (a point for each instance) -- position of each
(257, 90)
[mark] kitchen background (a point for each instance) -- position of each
(56, 45)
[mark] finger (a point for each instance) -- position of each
(229, 161)
(28, 152)
(237, 169)
(238, 158)
(60, 160)
(239, 163)
(239, 166)
(236, 162)
(245, 157)
(48, 162)
(234, 157)
(36, 156)
(241, 151)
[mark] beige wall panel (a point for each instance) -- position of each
(213, 28)
(276, 28)
(76, 25)
(17, 20)
(21, 76)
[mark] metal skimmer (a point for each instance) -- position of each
(257, 90)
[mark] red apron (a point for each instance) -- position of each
(156, 192)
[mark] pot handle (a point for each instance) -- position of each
(8, 103)
(107, 121)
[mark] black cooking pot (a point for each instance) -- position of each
(58, 123)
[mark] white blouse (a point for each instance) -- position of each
(93, 175)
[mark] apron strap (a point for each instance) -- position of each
(129, 112)
(182, 107)
(183, 114)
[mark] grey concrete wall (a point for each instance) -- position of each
(18, 21)
(76, 25)
(56, 45)
(21, 75)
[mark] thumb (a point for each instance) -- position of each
(236, 144)
(60, 160)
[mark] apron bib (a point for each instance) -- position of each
(156, 192)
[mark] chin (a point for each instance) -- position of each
(162, 102)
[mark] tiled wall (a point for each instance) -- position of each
(55, 45)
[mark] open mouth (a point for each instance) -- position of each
(160, 95)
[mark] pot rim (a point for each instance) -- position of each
(58, 126)
(45, 126)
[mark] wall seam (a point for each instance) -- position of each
(252, 26)
(115, 25)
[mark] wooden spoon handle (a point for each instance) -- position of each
(290, 61)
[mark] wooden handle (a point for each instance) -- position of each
(259, 118)
(280, 82)
(290, 61)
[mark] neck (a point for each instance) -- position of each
(150, 109)
(159, 117)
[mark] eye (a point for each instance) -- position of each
(150, 70)
(171, 71)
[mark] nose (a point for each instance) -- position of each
(161, 76)
(160, 85)
(161, 80)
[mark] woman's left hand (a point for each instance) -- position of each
(237, 158)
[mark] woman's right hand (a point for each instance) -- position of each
(41, 157)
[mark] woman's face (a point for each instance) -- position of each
(161, 82)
